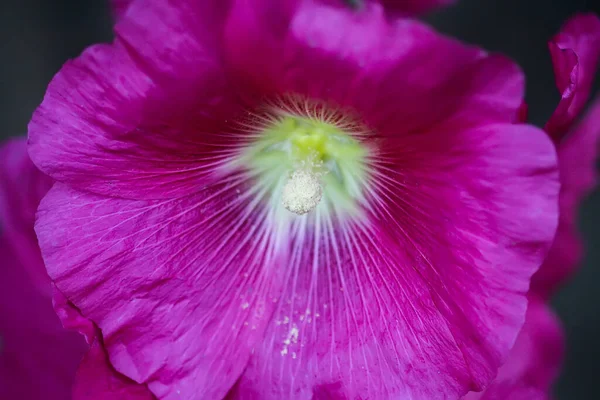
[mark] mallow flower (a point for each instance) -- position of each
(290, 199)
(534, 362)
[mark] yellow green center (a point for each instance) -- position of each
(290, 143)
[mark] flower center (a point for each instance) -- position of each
(309, 159)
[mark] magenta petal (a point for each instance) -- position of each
(387, 72)
(575, 53)
(415, 6)
(38, 358)
(181, 289)
(577, 155)
(426, 298)
(71, 317)
(118, 7)
(138, 118)
(22, 186)
(534, 362)
(96, 378)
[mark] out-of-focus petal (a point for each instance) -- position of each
(118, 7)
(415, 6)
(22, 186)
(38, 358)
(534, 362)
(577, 155)
(575, 53)
(96, 378)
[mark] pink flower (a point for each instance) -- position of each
(534, 362)
(38, 358)
(179, 147)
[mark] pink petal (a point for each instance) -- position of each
(40, 346)
(533, 363)
(181, 289)
(22, 186)
(577, 155)
(38, 358)
(388, 72)
(575, 53)
(96, 378)
(118, 7)
(425, 300)
(71, 317)
(140, 117)
(415, 6)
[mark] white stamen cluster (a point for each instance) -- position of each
(302, 192)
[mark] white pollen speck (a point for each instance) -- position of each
(302, 192)
(286, 320)
(245, 305)
(292, 337)
(294, 355)
(294, 334)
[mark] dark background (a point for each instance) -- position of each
(38, 36)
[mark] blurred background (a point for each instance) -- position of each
(38, 36)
